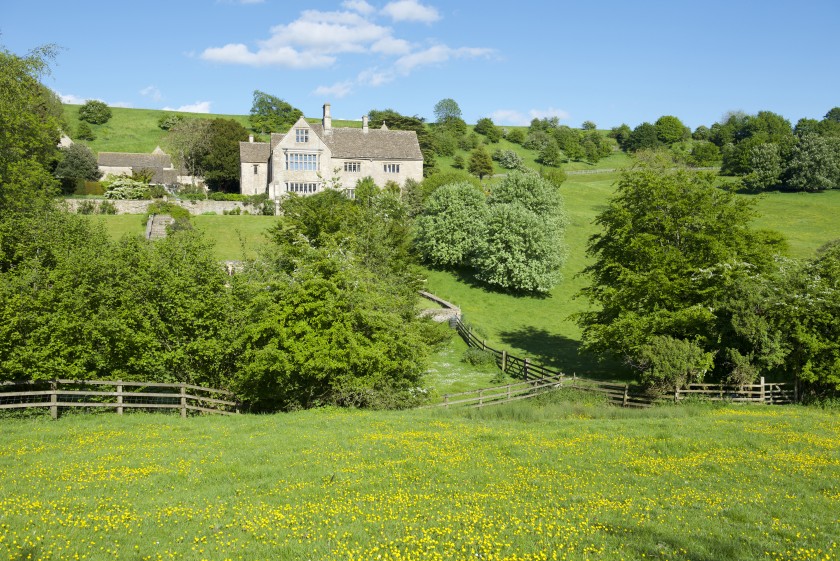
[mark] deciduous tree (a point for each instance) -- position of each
(480, 164)
(272, 114)
(95, 112)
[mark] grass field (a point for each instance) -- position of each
(697, 483)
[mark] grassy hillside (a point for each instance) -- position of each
(136, 130)
(515, 483)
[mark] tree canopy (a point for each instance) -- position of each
(446, 110)
(670, 248)
(271, 114)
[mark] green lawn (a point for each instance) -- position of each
(808, 220)
(234, 237)
(697, 483)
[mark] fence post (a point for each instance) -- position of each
(484, 344)
(574, 379)
(184, 400)
(763, 391)
(525, 368)
(508, 392)
(676, 394)
(446, 401)
(480, 398)
(54, 399)
(796, 390)
(626, 396)
(119, 397)
(504, 362)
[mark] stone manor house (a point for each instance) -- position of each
(308, 158)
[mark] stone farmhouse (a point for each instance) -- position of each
(310, 158)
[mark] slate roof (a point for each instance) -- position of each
(254, 152)
(377, 144)
(134, 160)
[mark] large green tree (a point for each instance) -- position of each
(524, 249)
(671, 246)
(446, 110)
(221, 161)
(29, 127)
(394, 120)
(272, 114)
(670, 129)
(77, 163)
(95, 112)
(480, 163)
(814, 164)
(453, 225)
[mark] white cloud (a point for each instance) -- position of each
(509, 117)
(337, 90)
(152, 92)
(197, 107)
(71, 99)
(391, 46)
(374, 77)
(547, 113)
(517, 118)
(410, 10)
(311, 41)
(358, 6)
(436, 55)
(282, 56)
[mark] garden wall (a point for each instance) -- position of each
(140, 207)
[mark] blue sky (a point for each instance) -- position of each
(609, 61)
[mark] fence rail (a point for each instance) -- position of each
(63, 393)
(538, 378)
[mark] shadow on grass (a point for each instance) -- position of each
(563, 353)
(467, 277)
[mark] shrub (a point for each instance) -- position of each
(143, 175)
(86, 207)
(667, 363)
(166, 122)
(107, 207)
(236, 211)
(220, 196)
(157, 191)
(176, 211)
(478, 357)
(191, 192)
(84, 132)
(94, 112)
(508, 159)
(517, 136)
(125, 188)
(555, 176)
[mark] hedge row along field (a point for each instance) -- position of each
(558, 481)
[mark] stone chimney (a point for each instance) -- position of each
(327, 118)
(365, 124)
(250, 138)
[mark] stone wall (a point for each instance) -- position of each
(195, 207)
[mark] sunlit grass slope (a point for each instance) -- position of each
(515, 483)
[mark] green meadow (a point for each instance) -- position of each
(526, 482)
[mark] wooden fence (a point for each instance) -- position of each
(538, 378)
(57, 394)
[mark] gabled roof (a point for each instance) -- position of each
(276, 137)
(134, 160)
(377, 144)
(254, 152)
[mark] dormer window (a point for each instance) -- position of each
(301, 135)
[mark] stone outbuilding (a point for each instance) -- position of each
(159, 162)
(310, 158)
